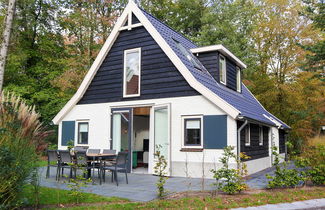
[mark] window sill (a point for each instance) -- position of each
(191, 150)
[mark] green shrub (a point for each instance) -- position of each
(20, 134)
(231, 180)
(283, 177)
(160, 171)
(313, 158)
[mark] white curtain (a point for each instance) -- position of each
(117, 132)
(161, 130)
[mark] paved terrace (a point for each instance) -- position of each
(142, 187)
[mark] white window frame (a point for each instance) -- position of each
(183, 131)
(76, 142)
(223, 70)
(261, 136)
(248, 134)
(238, 79)
(124, 72)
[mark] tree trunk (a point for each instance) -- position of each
(6, 38)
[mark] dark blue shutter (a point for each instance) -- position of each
(68, 128)
(215, 131)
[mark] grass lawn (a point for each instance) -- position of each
(191, 200)
(50, 196)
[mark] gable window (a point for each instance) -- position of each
(261, 138)
(132, 72)
(222, 69)
(247, 135)
(238, 79)
(192, 131)
(83, 128)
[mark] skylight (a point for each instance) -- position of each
(196, 63)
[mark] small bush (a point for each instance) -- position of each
(20, 135)
(283, 177)
(160, 170)
(230, 180)
(313, 158)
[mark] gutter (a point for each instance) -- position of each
(238, 136)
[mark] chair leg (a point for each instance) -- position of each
(116, 179)
(112, 175)
(126, 177)
(48, 172)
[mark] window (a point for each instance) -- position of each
(196, 63)
(222, 69)
(238, 76)
(192, 132)
(261, 137)
(132, 72)
(247, 135)
(83, 132)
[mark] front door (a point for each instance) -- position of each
(121, 132)
(160, 122)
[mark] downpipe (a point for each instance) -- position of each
(238, 138)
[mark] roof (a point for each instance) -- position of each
(233, 103)
(221, 49)
(245, 102)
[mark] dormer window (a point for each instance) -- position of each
(132, 72)
(222, 70)
(238, 79)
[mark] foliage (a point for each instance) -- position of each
(283, 177)
(231, 180)
(160, 171)
(20, 134)
(313, 158)
(77, 182)
(70, 144)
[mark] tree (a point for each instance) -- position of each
(230, 22)
(315, 10)
(6, 38)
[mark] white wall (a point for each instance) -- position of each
(99, 130)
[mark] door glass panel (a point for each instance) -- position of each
(121, 131)
(161, 130)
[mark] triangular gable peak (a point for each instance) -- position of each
(124, 22)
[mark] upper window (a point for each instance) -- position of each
(196, 63)
(247, 135)
(238, 75)
(132, 72)
(83, 128)
(222, 69)
(261, 138)
(193, 131)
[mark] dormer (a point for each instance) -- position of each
(224, 66)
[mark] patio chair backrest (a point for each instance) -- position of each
(80, 148)
(52, 155)
(81, 158)
(93, 151)
(122, 159)
(109, 151)
(65, 156)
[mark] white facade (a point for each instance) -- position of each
(181, 163)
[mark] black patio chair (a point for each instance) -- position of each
(80, 148)
(65, 161)
(52, 161)
(93, 151)
(82, 162)
(120, 165)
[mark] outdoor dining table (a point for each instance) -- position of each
(93, 157)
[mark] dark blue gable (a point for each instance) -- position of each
(159, 76)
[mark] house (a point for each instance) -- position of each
(150, 86)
